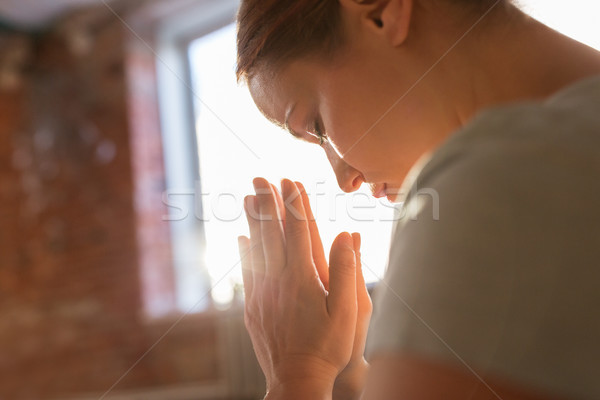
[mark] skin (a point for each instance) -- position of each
(505, 58)
(325, 333)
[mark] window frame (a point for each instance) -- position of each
(174, 34)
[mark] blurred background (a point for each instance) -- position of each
(126, 147)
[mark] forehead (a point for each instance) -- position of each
(268, 95)
(274, 93)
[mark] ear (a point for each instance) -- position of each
(389, 18)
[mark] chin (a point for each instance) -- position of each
(392, 194)
(392, 198)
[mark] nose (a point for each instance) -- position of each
(349, 179)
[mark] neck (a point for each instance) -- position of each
(523, 60)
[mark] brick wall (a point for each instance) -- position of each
(81, 252)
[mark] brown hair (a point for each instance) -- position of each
(274, 31)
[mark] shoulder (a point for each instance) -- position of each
(532, 146)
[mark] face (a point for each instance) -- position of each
(375, 125)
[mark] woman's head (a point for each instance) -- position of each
(359, 72)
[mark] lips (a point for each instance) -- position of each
(379, 190)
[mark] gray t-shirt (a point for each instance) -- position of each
(495, 263)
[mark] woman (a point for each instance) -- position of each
(492, 286)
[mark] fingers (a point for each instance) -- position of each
(279, 202)
(273, 244)
(361, 287)
(360, 279)
(245, 258)
(341, 301)
(315, 239)
(362, 294)
(296, 228)
(356, 241)
(258, 258)
(363, 298)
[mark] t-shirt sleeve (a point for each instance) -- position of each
(493, 268)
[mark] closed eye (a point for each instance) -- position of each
(319, 132)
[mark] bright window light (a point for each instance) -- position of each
(579, 19)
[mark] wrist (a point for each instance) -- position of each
(302, 380)
(350, 383)
(301, 390)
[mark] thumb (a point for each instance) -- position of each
(341, 300)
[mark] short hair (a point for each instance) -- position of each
(271, 32)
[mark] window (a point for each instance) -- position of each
(185, 22)
(578, 19)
